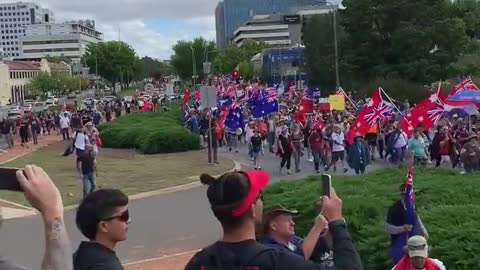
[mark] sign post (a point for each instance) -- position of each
(208, 99)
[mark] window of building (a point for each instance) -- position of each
(3, 32)
(14, 19)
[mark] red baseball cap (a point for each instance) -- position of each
(258, 180)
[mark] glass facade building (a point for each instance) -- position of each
(237, 12)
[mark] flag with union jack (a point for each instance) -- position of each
(382, 111)
(467, 84)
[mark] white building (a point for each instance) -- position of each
(276, 30)
(14, 18)
(69, 39)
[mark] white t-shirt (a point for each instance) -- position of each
(440, 265)
(80, 140)
(338, 139)
(248, 133)
(401, 141)
(64, 122)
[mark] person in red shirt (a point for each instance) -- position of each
(315, 140)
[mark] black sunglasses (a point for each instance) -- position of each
(124, 217)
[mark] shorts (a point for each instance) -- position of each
(255, 155)
(371, 139)
(336, 156)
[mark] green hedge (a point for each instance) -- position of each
(150, 133)
(448, 203)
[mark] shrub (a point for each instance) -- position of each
(149, 133)
(448, 204)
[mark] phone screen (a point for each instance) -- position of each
(8, 179)
(326, 184)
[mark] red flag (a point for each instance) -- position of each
(186, 96)
(376, 109)
(197, 95)
(427, 112)
(306, 106)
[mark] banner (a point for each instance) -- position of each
(337, 102)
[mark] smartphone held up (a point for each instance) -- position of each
(326, 184)
(8, 179)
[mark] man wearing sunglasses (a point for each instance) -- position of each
(103, 218)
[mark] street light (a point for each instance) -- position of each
(335, 7)
(194, 67)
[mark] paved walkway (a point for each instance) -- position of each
(161, 225)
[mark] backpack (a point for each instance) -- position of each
(212, 253)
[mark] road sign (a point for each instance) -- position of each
(169, 89)
(208, 96)
(207, 66)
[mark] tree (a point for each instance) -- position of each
(186, 51)
(57, 82)
(116, 61)
(397, 38)
(156, 69)
(233, 55)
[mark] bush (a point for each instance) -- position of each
(150, 133)
(448, 204)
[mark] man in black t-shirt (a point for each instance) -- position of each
(236, 201)
(103, 218)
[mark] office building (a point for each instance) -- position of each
(222, 41)
(238, 12)
(14, 18)
(275, 30)
(69, 39)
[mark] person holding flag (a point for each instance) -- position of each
(403, 221)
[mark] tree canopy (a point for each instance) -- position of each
(56, 82)
(182, 60)
(116, 61)
(416, 41)
(233, 55)
(156, 69)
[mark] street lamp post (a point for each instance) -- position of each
(337, 73)
(194, 67)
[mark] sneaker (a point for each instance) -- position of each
(297, 171)
(318, 171)
(310, 159)
(229, 149)
(289, 172)
(259, 168)
(216, 163)
(345, 170)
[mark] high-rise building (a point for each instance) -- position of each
(68, 39)
(238, 12)
(14, 18)
(222, 41)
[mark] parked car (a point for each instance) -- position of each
(14, 116)
(27, 108)
(14, 109)
(39, 107)
(51, 100)
(28, 101)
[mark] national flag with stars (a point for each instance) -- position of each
(313, 93)
(409, 218)
(261, 106)
(234, 119)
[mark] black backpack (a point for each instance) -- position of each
(230, 261)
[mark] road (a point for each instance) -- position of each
(161, 225)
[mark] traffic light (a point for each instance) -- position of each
(235, 74)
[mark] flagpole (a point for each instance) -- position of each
(395, 106)
(349, 99)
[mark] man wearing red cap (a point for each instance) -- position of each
(236, 201)
(417, 256)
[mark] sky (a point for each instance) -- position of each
(151, 27)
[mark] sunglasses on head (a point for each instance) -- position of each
(124, 217)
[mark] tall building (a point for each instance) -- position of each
(222, 41)
(14, 18)
(69, 39)
(238, 12)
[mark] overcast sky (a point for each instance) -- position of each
(152, 27)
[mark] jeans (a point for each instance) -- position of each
(271, 140)
(297, 154)
(88, 183)
(360, 169)
(286, 160)
(398, 154)
(65, 134)
(317, 158)
(35, 136)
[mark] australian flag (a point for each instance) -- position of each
(313, 93)
(262, 106)
(234, 119)
(409, 218)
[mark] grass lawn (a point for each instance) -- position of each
(448, 204)
(122, 169)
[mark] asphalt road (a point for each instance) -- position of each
(161, 225)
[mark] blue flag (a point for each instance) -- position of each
(234, 119)
(313, 93)
(409, 218)
(264, 106)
